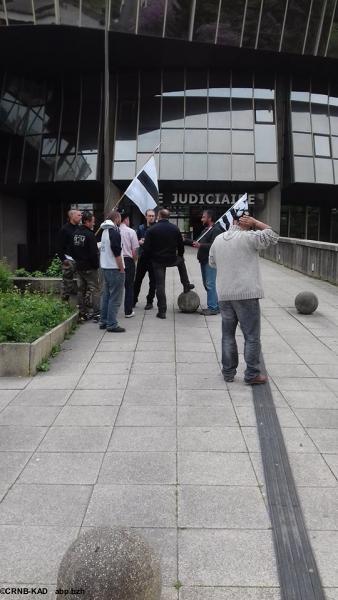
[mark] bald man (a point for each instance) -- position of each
(65, 245)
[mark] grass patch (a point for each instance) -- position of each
(24, 317)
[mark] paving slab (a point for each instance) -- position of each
(311, 399)
(32, 553)
(229, 593)
(138, 468)
(152, 397)
(11, 465)
(86, 416)
(66, 467)
(320, 508)
(34, 416)
(215, 468)
(14, 383)
(96, 398)
(132, 506)
(326, 440)
(143, 439)
(103, 382)
(151, 416)
(226, 558)
(76, 439)
(41, 398)
(200, 398)
(21, 439)
(210, 439)
(63, 505)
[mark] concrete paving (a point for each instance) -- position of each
(140, 430)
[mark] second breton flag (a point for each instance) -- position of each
(143, 190)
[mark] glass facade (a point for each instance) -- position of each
(49, 129)
(212, 125)
(314, 114)
(295, 26)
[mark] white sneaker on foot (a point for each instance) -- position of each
(132, 314)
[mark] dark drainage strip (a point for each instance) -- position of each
(297, 569)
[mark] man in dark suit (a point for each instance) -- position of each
(163, 245)
(144, 266)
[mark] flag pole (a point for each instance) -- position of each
(124, 193)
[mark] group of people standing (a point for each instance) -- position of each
(126, 256)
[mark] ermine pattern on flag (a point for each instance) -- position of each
(238, 209)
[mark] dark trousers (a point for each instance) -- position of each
(129, 285)
(144, 266)
(88, 292)
(159, 272)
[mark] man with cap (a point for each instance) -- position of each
(235, 256)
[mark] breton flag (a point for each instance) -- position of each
(143, 190)
(240, 208)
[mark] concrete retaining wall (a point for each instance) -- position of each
(41, 284)
(21, 359)
(316, 259)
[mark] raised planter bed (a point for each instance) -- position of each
(46, 285)
(21, 359)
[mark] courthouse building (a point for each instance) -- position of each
(241, 94)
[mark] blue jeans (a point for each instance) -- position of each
(209, 282)
(111, 297)
(247, 313)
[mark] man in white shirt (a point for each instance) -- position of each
(130, 244)
(112, 266)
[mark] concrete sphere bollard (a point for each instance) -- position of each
(306, 302)
(188, 302)
(110, 564)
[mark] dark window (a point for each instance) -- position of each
(326, 26)
(322, 145)
(271, 24)
(15, 159)
(314, 24)
(231, 22)
(333, 42)
(31, 157)
(264, 111)
(126, 126)
(297, 221)
(151, 17)
(284, 221)
(49, 145)
(173, 99)
(253, 10)
(70, 12)
(205, 21)
(219, 100)
(44, 11)
(313, 222)
(4, 149)
(196, 99)
(19, 12)
(93, 13)
(123, 15)
(295, 25)
(90, 114)
(178, 19)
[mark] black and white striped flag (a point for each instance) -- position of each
(143, 190)
(240, 208)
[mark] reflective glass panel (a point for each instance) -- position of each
(30, 158)
(219, 100)
(93, 13)
(304, 169)
(243, 168)
(125, 150)
(264, 111)
(70, 14)
(320, 118)
(195, 140)
(265, 143)
(143, 158)
(242, 142)
(172, 140)
(124, 170)
(19, 12)
(271, 24)
(86, 167)
(333, 42)
(335, 167)
(324, 171)
(171, 166)
(231, 22)
(173, 99)
(300, 116)
(150, 105)
(15, 159)
(322, 145)
(302, 144)
(3, 21)
(314, 23)
(297, 221)
(151, 17)
(266, 172)
(205, 21)
(90, 113)
(44, 11)
(49, 145)
(148, 140)
(334, 144)
(251, 23)
(53, 108)
(123, 15)
(4, 145)
(195, 166)
(284, 221)
(295, 25)
(126, 122)
(219, 167)
(219, 141)
(330, 7)
(242, 114)
(70, 115)
(46, 168)
(178, 19)
(313, 222)
(196, 99)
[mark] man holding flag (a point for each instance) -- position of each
(209, 234)
(234, 254)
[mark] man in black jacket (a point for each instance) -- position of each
(163, 245)
(209, 233)
(85, 253)
(65, 246)
(144, 265)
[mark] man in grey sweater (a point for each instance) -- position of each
(239, 287)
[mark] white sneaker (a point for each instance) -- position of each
(132, 314)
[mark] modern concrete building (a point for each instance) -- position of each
(242, 95)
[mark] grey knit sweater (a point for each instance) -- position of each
(235, 256)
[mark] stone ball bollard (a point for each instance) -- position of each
(306, 302)
(188, 302)
(110, 564)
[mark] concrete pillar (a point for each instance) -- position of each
(13, 227)
(270, 211)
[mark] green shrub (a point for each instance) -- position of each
(25, 317)
(5, 277)
(38, 274)
(55, 268)
(21, 273)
